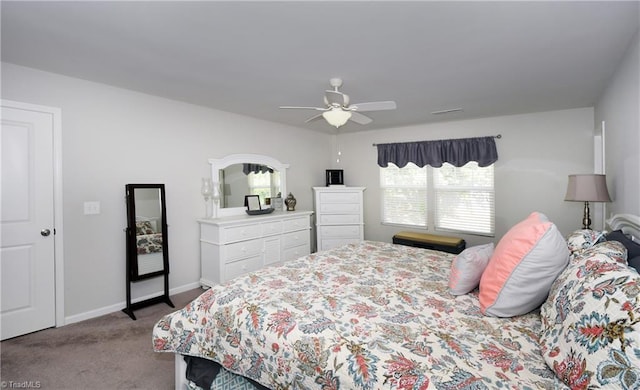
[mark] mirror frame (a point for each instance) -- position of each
(132, 250)
(221, 163)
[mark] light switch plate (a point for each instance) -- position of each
(91, 208)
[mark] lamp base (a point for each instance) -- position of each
(586, 220)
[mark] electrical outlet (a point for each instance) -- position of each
(91, 208)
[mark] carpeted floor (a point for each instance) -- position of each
(108, 352)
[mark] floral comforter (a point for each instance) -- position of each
(149, 243)
(364, 316)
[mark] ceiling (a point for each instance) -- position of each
(249, 58)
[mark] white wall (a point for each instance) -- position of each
(619, 108)
(536, 154)
(112, 137)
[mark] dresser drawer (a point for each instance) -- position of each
(340, 208)
(243, 249)
(296, 251)
(295, 238)
(338, 197)
(271, 228)
(343, 231)
(241, 267)
(328, 243)
(338, 219)
(238, 233)
(295, 224)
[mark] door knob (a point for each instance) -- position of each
(45, 232)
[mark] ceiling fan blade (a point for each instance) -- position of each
(360, 119)
(313, 118)
(373, 106)
(335, 97)
(305, 108)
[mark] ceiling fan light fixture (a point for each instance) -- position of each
(337, 110)
(336, 116)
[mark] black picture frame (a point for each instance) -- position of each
(335, 177)
(252, 202)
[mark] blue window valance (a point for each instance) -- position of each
(456, 152)
(255, 168)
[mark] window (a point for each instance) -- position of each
(404, 195)
(454, 199)
(260, 184)
(464, 198)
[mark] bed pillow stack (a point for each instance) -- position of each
(591, 321)
(523, 267)
(467, 268)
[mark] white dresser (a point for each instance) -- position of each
(235, 245)
(339, 216)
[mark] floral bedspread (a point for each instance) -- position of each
(365, 316)
(149, 243)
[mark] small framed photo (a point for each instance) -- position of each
(335, 177)
(252, 202)
(277, 203)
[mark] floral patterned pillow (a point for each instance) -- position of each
(604, 251)
(583, 239)
(143, 227)
(591, 322)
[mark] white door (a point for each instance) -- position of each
(27, 257)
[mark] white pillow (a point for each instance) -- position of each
(467, 268)
(522, 268)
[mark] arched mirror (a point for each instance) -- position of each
(147, 244)
(237, 175)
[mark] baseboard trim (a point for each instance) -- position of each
(119, 306)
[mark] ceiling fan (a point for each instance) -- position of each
(338, 111)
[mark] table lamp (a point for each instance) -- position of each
(587, 188)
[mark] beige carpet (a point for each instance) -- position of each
(108, 352)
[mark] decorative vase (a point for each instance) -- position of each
(290, 202)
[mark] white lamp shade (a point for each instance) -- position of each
(336, 116)
(587, 188)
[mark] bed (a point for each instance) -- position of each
(370, 315)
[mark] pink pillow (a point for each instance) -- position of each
(467, 268)
(522, 268)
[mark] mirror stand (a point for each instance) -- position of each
(146, 238)
(131, 306)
